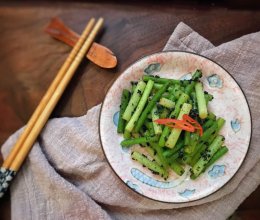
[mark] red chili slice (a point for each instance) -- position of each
(187, 124)
(186, 127)
(175, 123)
(195, 124)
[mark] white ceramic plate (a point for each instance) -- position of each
(229, 102)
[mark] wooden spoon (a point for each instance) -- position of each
(97, 53)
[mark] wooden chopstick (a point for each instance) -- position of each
(48, 95)
(21, 155)
(7, 173)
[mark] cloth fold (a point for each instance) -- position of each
(66, 175)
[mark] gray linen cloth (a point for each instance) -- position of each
(66, 175)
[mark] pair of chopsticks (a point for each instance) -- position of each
(40, 116)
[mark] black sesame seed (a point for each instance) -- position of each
(159, 106)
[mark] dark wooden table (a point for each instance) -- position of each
(29, 59)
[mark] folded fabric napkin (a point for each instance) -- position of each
(66, 175)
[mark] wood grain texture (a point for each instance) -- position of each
(29, 58)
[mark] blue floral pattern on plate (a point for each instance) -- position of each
(133, 186)
(235, 125)
(215, 81)
(125, 149)
(142, 177)
(153, 67)
(187, 76)
(116, 118)
(217, 171)
(187, 193)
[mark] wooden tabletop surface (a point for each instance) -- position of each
(29, 58)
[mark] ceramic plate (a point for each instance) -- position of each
(229, 102)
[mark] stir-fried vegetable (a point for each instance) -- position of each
(170, 119)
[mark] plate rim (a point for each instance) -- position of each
(162, 52)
